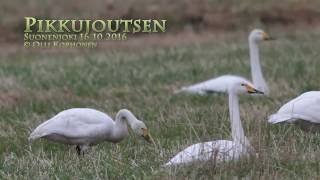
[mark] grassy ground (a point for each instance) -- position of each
(35, 86)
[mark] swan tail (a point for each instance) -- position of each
(168, 164)
(278, 118)
(178, 91)
(190, 90)
(36, 135)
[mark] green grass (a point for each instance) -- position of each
(35, 86)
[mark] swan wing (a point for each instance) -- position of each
(74, 123)
(305, 107)
(219, 84)
(219, 151)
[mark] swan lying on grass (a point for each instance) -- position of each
(221, 84)
(221, 150)
(85, 127)
(305, 107)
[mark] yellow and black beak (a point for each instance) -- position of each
(252, 90)
(145, 135)
(266, 37)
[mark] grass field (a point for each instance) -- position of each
(34, 86)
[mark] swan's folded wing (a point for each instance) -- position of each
(305, 106)
(72, 124)
(220, 150)
(219, 84)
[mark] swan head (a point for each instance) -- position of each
(258, 35)
(140, 129)
(136, 125)
(244, 88)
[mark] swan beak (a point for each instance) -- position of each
(266, 37)
(252, 90)
(145, 135)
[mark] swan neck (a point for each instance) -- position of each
(120, 130)
(236, 125)
(256, 72)
(125, 116)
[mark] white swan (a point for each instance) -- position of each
(221, 84)
(85, 127)
(304, 107)
(221, 150)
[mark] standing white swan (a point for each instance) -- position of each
(221, 150)
(221, 84)
(85, 127)
(304, 107)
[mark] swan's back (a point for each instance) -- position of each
(217, 151)
(77, 123)
(219, 84)
(306, 107)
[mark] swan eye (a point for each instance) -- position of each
(243, 84)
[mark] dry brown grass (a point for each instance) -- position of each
(194, 15)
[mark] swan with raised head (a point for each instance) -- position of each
(305, 107)
(221, 150)
(85, 127)
(221, 84)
